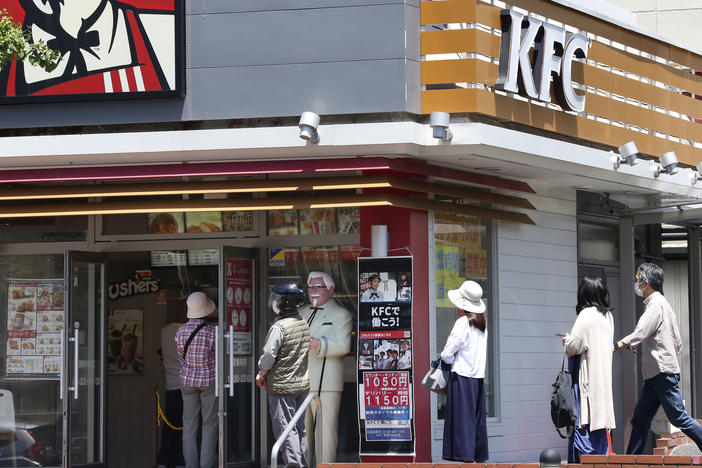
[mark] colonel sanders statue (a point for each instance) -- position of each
(330, 340)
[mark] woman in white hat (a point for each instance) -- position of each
(195, 342)
(465, 427)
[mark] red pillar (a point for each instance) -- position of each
(410, 228)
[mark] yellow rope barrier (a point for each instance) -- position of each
(162, 415)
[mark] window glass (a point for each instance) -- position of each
(463, 252)
(294, 265)
(45, 229)
(597, 241)
(31, 319)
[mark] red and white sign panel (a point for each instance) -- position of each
(109, 49)
(239, 304)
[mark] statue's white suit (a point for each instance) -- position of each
(332, 326)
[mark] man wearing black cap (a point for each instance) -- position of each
(282, 370)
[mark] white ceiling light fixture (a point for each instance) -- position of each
(309, 122)
(628, 153)
(439, 122)
(668, 164)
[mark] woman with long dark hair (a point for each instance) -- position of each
(465, 428)
(589, 349)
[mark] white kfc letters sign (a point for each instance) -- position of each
(553, 56)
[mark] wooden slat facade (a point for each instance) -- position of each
(677, 96)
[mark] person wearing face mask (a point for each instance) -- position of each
(657, 333)
(330, 340)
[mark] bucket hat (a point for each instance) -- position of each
(468, 297)
(199, 305)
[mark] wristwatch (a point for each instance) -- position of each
(616, 346)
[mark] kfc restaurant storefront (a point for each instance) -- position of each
(113, 209)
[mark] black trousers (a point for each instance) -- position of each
(171, 452)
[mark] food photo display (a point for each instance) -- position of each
(35, 322)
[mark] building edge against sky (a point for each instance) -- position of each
(524, 197)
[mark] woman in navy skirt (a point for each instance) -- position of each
(465, 428)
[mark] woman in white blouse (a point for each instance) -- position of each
(589, 349)
(465, 428)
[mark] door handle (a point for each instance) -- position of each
(76, 326)
(217, 361)
(231, 360)
(61, 367)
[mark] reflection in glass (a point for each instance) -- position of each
(31, 423)
(340, 263)
(85, 442)
(462, 252)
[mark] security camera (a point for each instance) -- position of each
(628, 153)
(668, 164)
(309, 121)
(439, 122)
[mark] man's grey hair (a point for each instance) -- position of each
(652, 274)
(326, 277)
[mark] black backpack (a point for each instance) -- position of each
(563, 410)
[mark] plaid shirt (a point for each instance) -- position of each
(198, 368)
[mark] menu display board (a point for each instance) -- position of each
(203, 257)
(164, 258)
(282, 223)
(317, 221)
(35, 322)
(206, 221)
(166, 223)
(238, 221)
(385, 371)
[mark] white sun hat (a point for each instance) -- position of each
(468, 297)
(199, 305)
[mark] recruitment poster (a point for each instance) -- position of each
(385, 372)
(35, 321)
(239, 297)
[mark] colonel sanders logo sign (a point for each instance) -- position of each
(109, 48)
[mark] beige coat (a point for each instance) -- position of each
(592, 337)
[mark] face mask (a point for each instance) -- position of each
(638, 289)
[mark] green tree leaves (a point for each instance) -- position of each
(16, 44)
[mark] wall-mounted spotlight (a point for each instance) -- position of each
(668, 164)
(439, 122)
(309, 122)
(628, 153)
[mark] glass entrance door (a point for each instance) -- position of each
(83, 373)
(235, 351)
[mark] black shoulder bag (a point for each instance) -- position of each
(190, 338)
(563, 411)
